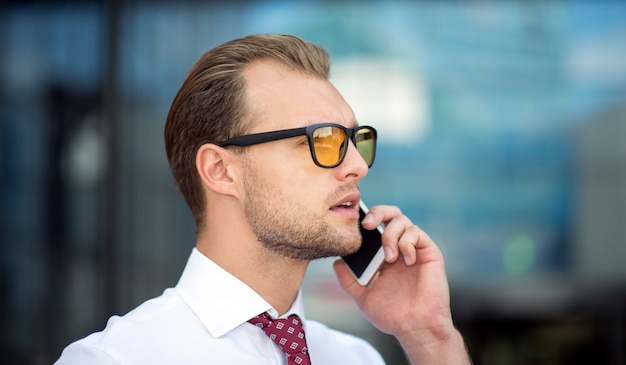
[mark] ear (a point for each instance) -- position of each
(216, 169)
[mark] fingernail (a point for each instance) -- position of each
(368, 218)
(388, 254)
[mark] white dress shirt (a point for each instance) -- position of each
(203, 320)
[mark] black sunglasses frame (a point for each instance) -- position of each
(263, 137)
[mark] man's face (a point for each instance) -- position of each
(295, 207)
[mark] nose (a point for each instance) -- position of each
(353, 164)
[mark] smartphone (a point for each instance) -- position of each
(367, 260)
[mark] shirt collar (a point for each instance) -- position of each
(219, 299)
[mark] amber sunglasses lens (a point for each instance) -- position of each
(329, 144)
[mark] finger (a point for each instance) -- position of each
(409, 243)
(399, 238)
(394, 222)
(424, 240)
(380, 214)
(426, 249)
(407, 251)
(347, 280)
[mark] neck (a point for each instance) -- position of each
(278, 280)
(274, 277)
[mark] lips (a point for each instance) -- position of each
(350, 201)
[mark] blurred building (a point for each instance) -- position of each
(599, 252)
(501, 128)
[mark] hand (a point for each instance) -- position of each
(409, 298)
(414, 287)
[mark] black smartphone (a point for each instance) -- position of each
(367, 260)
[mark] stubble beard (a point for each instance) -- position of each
(289, 228)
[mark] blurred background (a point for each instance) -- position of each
(502, 128)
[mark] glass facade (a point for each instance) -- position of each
(501, 131)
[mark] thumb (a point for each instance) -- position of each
(347, 280)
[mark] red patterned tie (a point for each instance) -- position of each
(287, 334)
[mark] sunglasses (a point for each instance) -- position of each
(328, 142)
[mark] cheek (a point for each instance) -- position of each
(301, 181)
(292, 171)
(293, 164)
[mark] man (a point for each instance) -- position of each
(264, 150)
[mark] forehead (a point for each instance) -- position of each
(278, 97)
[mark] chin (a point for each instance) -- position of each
(353, 246)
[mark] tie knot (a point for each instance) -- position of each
(288, 334)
